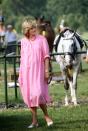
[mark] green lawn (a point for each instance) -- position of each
(65, 118)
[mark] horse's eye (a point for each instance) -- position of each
(72, 45)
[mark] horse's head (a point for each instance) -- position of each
(44, 28)
(69, 49)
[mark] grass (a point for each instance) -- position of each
(65, 118)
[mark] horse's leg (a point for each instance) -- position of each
(66, 98)
(73, 94)
(73, 87)
(66, 86)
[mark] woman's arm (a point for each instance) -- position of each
(46, 69)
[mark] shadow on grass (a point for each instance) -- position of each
(20, 123)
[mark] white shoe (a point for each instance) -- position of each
(49, 123)
(33, 125)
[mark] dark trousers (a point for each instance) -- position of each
(11, 47)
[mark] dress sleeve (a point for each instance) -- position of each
(45, 48)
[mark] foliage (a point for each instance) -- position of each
(75, 11)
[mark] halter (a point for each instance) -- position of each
(76, 35)
(74, 47)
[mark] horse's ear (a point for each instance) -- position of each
(48, 22)
(36, 18)
(74, 31)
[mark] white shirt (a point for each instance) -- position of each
(11, 36)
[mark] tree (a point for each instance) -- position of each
(53, 10)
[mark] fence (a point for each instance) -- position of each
(14, 56)
(5, 57)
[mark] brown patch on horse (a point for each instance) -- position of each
(69, 73)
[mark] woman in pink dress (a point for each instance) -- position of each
(34, 71)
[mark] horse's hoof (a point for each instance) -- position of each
(76, 104)
(66, 104)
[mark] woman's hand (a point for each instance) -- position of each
(47, 75)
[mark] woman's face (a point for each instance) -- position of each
(32, 31)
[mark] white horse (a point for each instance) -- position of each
(69, 62)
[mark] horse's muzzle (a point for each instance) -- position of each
(69, 66)
(68, 60)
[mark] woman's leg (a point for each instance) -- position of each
(34, 115)
(44, 109)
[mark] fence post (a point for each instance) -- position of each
(5, 81)
(14, 63)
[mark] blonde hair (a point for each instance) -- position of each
(27, 24)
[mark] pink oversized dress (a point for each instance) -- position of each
(34, 88)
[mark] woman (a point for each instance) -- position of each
(34, 71)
